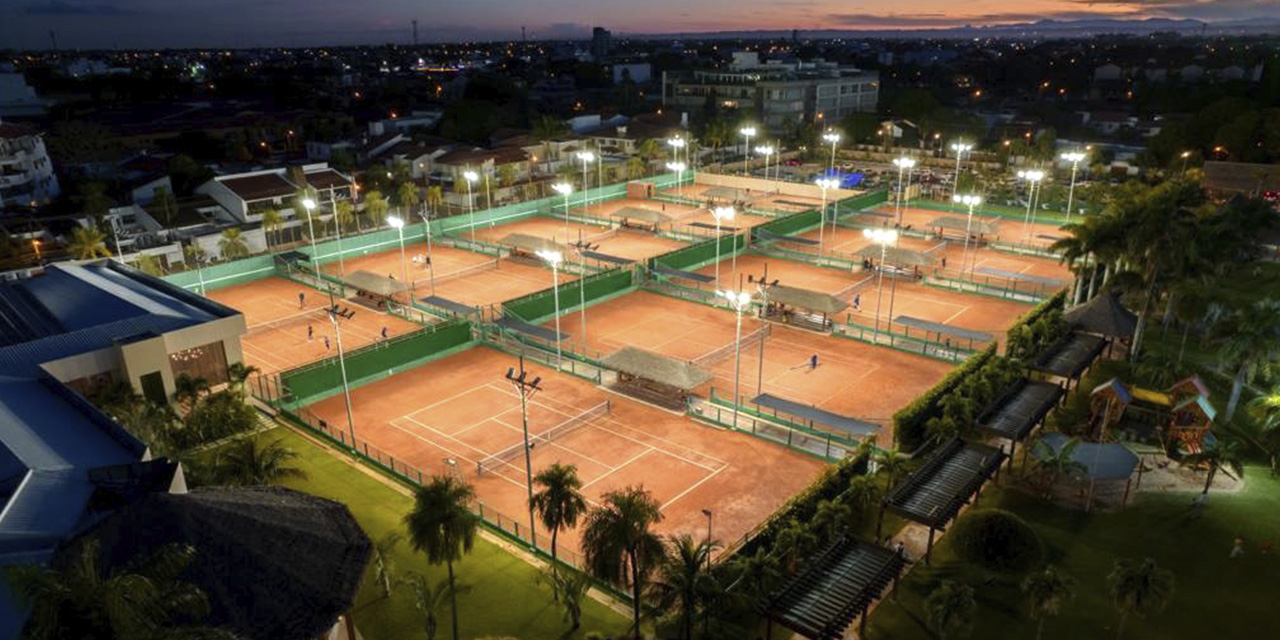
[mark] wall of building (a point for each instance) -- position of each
(785, 188)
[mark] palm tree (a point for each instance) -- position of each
(1138, 588)
(618, 542)
(649, 149)
(1265, 410)
(717, 135)
(344, 215)
(683, 580)
(892, 463)
(545, 130)
(569, 589)
(829, 518)
(272, 223)
(383, 564)
(407, 197)
(435, 196)
(794, 542)
(860, 494)
(238, 373)
(443, 526)
(1046, 590)
(1250, 338)
(635, 168)
(140, 601)
(949, 608)
(428, 600)
(375, 207)
(249, 462)
(187, 390)
(164, 203)
(149, 264)
(559, 502)
(231, 245)
(87, 243)
(1052, 465)
(758, 574)
(1225, 455)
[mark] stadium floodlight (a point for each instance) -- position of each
(961, 148)
(1075, 157)
(903, 164)
(679, 168)
(397, 223)
(884, 238)
(562, 188)
(739, 300)
(970, 201)
(1032, 176)
(554, 258)
(834, 138)
(824, 184)
(748, 133)
(766, 151)
(471, 177)
(720, 214)
(310, 206)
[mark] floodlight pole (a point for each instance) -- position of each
(334, 313)
(737, 359)
(967, 226)
(310, 206)
(426, 227)
(337, 230)
(822, 220)
(527, 389)
(880, 284)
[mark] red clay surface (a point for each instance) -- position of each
(277, 337)
(1017, 231)
(853, 378)
(612, 241)
(460, 408)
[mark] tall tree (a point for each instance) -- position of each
(384, 563)
(249, 461)
(188, 390)
(684, 582)
(443, 527)
(165, 206)
(1249, 336)
(546, 130)
(1226, 455)
(1139, 587)
(407, 197)
(1046, 591)
(619, 543)
(559, 501)
(375, 208)
(893, 464)
(427, 600)
(272, 222)
(87, 243)
(949, 609)
(232, 244)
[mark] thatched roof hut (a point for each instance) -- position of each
(532, 244)
(896, 255)
(960, 223)
(1103, 315)
(658, 368)
(805, 299)
(641, 214)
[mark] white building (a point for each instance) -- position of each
(26, 174)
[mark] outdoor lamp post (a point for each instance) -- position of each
(346, 314)
(564, 189)
(397, 223)
(824, 184)
(960, 148)
(679, 168)
(767, 151)
(970, 201)
(834, 138)
(426, 228)
(747, 132)
(739, 300)
(586, 157)
(1184, 155)
(554, 258)
(721, 214)
(471, 177)
(903, 164)
(882, 237)
(1033, 177)
(310, 206)
(676, 145)
(1074, 158)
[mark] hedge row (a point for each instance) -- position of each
(909, 428)
(833, 481)
(1037, 328)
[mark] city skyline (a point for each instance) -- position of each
(26, 24)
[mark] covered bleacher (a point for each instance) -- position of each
(682, 274)
(651, 377)
(1070, 356)
(1017, 412)
(512, 323)
(839, 584)
(374, 290)
(896, 256)
(941, 332)
(815, 417)
(450, 307)
(711, 227)
(726, 194)
(801, 307)
(934, 494)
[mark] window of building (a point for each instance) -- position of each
(207, 361)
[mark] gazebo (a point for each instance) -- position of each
(1103, 465)
(654, 378)
(802, 307)
(273, 562)
(1105, 316)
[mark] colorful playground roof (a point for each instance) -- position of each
(1200, 401)
(1115, 386)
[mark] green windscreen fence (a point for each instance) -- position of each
(313, 382)
(216, 276)
(541, 304)
(701, 253)
(864, 201)
(792, 224)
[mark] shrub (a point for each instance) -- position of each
(1037, 328)
(909, 423)
(997, 540)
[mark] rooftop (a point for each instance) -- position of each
(259, 187)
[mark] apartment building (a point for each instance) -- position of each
(26, 174)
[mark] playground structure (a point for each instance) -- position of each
(1180, 418)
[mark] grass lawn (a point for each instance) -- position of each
(1216, 597)
(504, 599)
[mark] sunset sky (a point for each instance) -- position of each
(151, 23)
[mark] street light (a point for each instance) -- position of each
(748, 132)
(426, 229)
(824, 184)
(1074, 158)
(586, 157)
(960, 148)
(882, 237)
(834, 138)
(767, 151)
(346, 314)
(739, 300)
(1034, 177)
(527, 389)
(677, 144)
(720, 214)
(471, 177)
(970, 201)
(903, 164)
(397, 223)
(1185, 155)
(310, 206)
(679, 168)
(581, 248)
(554, 258)
(564, 189)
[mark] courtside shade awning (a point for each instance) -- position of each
(708, 225)
(805, 299)
(1015, 413)
(935, 492)
(520, 326)
(1014, 275)
(896, 255)
(449, 305)
(944, 329)
(852, 426)
(374, 283)
(957, 223)
(1070, 356)
(839, 585)
(725, 193)
(680, 273)
(604, 257)
(769, 236)
(658, 368)
(641, 214)
(531, 244)
(1100, 461)
(291, 257)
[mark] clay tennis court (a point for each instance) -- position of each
(905, 298)
(461, 408)
(632, 245)
(1009, 230)
(854, 379)
(277, 336)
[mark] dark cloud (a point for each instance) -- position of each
(1198, 9)
(925, 20)
(61, 8)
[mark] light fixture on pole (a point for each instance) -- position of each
(471, 177)
(960, 148)
(884, 238)
(720, 214)
(903, 164)
(586, 157)
(1033, 178)
(564, 189)
(1184, 155)
(679, 168)
(834, 138)
(554, 258)
(824, 184)
(747, 132)
(310, 206)
(739, 300)
(1074, 158)
(397, 223)
(526, 388)
(970, 201)
(425, 214)
(336, 314)
(767, 151)
(677, 143)
(581, 247)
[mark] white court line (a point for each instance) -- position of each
(612, 470)
(448, 450)
(556, 443)
(691, 488)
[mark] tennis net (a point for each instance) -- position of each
(853, 288)
(491, 462)
(720, 354)
(487, 265)
(936, 250)
(603, 235)
(297, 320)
